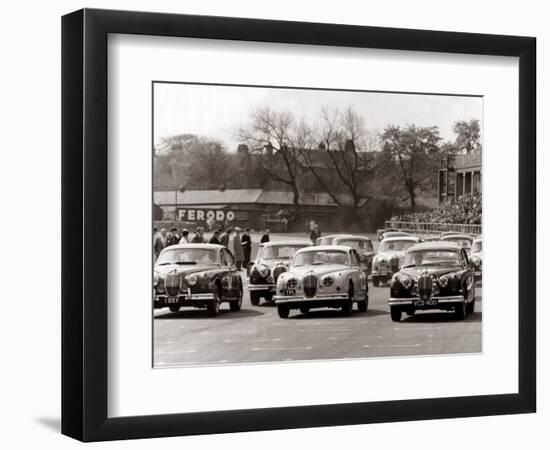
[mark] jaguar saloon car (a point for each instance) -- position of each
(271, 260)
(434, 276)
(197, 275)
(476, 257)
(321, 277)
(387, 261)
(463, 240)
(362, 244)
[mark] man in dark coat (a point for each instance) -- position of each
(225, 237)
(172, 237)
(215, 239)
(265, 237)
(246, 241)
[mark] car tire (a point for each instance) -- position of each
(363, 305)
(375, 281)
(395, 313)
(283, 311)
(268, 297)
(460, 311)
(174, 309)
(470, 307)
(304, 309)
(236, 305)
(254, 298)
(347, 305)
(410, 312)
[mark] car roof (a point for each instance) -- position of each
(401, 238)
(344, 248)
(277, 243)
(396, 233)
(435, 245)
(457, 235)
(203, 246)
(351, 236)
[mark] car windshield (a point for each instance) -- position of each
(476, 247)
(462, 241)
(279, 251)
(188, 256)
(318, 257)
(389, 246)
(360, 244)
(325, 241)
(431, 257)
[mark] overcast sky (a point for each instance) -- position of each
(218, 111)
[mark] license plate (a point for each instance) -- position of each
(171, 300)
(431, 302)
(419, 303)
(290, 291)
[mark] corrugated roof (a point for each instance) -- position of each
(232, 196)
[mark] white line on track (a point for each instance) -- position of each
(175, 352)
(258, 349)
(392, 345)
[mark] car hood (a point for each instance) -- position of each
(272, 262)
(186, 270)
(320, 270)
(390, 254)
(436, 271)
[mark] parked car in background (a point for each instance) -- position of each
(476, 257)
(434, 275)
(387, 261)
(197, 275)
(388, 234)
(321, 277)
(271, 260)
(463, 240)
(362, 244)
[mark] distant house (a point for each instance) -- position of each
(252, 208)
(459, 175)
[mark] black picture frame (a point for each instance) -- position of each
(84, 224)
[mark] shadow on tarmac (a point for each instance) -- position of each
(196, 313)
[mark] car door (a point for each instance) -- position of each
(230, 276)
(358, 275)
(468, 273)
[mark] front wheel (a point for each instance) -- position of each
(460, 311)
(213, 307)
(236, 305)
(363, 305)
(395, 313)
(254, 298)
(283, 311)
(375, 281)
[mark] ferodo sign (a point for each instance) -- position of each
(200, 215)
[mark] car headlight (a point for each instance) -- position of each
(443, 281)
(328, 281)
(383, 262)
(475, 260)
(263, 271)
(192, 280)
(406, 282)
(291, 283)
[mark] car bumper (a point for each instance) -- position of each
(409, 301)
(385, 273)
(304, 300)
(163, 301)
(261, 287)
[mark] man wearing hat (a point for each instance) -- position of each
(184, 236)
(215, 239)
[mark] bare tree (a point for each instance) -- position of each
(271, 137)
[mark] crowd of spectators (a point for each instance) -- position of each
(465, 210)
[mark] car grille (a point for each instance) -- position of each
(278, 271)
(425, 286)
(172, 284)
(255, 277)
(310, 285)
(394, 264)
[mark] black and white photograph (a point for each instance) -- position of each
(297, 224)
